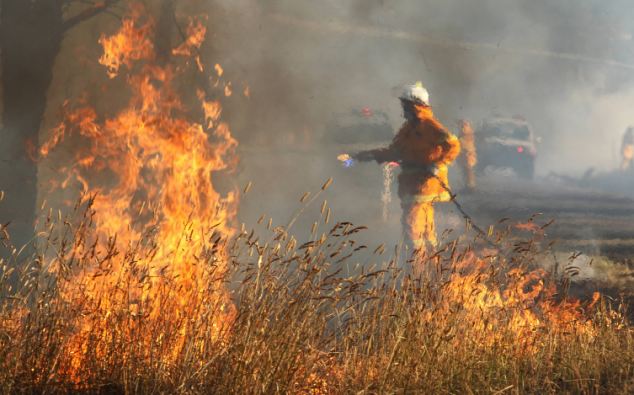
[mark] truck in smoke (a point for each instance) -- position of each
(507, 143)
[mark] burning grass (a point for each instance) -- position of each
(147, 287)
(299, 318)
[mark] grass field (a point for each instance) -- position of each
(264, 313)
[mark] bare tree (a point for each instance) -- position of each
(31, 34)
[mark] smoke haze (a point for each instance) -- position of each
(566, 66)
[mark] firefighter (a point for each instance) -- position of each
(627, 149)
(469, 157)
(423, 148)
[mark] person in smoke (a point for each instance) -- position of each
(423, 148)
(627, 149)
(469, 157)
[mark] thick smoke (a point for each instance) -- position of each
(563, 65)
(566, 66)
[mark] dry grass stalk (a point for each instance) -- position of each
(294, 320)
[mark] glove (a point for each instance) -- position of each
(346, 160)
(349, 162)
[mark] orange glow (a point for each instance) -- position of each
(219, 70)
(196, 33)
(523, 308)
(130, 44)
(149, 172)
(158, 248)
(228, 89)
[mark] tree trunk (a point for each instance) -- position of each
(164, 32)
(31, 32)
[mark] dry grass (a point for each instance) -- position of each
(301, 319)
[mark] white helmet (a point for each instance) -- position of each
(416, 93)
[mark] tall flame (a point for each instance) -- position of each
(147, 280)
(149, 174)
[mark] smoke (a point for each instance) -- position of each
(566, 66)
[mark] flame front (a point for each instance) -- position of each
(517, 317)
(159, 224)
(143, 279)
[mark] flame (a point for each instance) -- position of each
(130, 44)
(148, 175)
(219, 70)
(196, 33)
(524, 308)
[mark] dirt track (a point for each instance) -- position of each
(596, 223)
(590, 221)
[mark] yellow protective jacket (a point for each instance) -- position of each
(421, 146)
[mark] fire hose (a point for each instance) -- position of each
(349, 162)
(465, 215)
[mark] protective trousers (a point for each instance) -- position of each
(418, 223)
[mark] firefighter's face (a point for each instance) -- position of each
(413, 111)
(409, 110)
